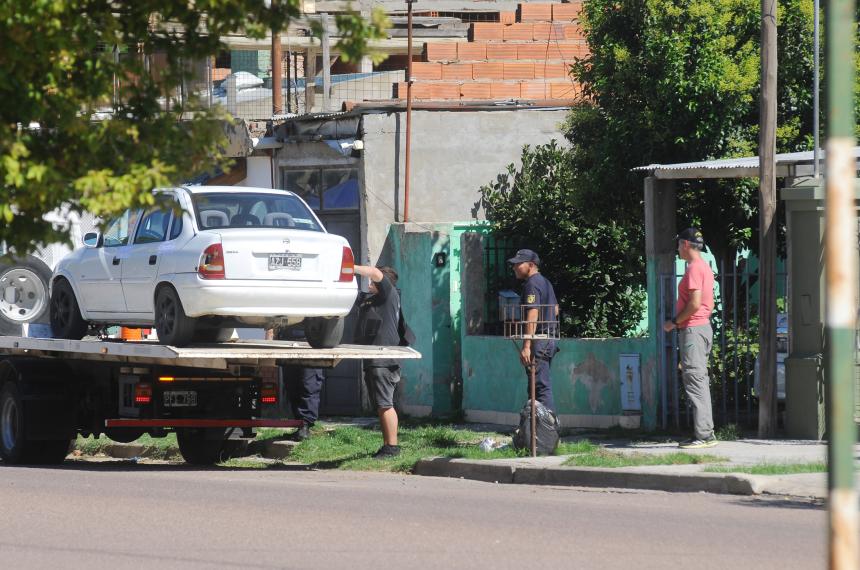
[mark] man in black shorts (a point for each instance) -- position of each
(378, 320)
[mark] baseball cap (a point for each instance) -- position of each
(524, 255)
(692, 235)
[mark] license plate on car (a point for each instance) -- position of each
(180, 399)
(288, 261)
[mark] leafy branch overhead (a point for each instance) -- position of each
(92, 113)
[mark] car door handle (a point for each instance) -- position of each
(116, 260)
(153, 259)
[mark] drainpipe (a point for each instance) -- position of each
(408, 112)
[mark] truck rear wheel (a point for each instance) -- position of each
(324, 333)
(201, 446)
(15, 447)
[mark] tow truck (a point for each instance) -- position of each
(51, 390)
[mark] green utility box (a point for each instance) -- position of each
(805, 386)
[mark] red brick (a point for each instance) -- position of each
(440, 52)
(548, 31)
(501, 51)
(419, 90)
(563, 90)
(533, 51)
(518, 32)
(476, 91)
(507, 17)
(573, 32)
(551, 70)
(505, 90)
(444, 90)
(566, 50)
(422, 70)
(519, 70)
(471, 51)
(566, 12)
(486, 31)
(530, 90)
(533, 12)
(486, 70)
(457, 71)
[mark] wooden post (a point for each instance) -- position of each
(277, 74)
(326, 63)
(767, 227)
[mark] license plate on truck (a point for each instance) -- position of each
(288, 261)
(180, 399)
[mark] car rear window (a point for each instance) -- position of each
(241, 210)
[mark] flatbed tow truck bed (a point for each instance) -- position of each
(51, 390)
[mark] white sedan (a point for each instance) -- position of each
(206, 259)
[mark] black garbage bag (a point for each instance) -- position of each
(547, 429)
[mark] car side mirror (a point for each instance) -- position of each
(92, 239)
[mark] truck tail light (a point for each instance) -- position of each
(347, 266)
(142, 393)
(269, 393)
(212, 263)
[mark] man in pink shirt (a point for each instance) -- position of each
(693, 322)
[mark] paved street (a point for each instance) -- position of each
(125, 515)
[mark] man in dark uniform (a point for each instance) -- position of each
(303, 386)
(540, 309)
(378, 322)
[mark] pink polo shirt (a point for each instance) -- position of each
(697, 277)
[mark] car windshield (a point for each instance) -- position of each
(244, 210)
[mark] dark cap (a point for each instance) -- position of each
(692, 235)
(524, 255)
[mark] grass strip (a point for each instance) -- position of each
(603, 458)
(772, 468)
(154, 448)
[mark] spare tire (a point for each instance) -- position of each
(23, 294)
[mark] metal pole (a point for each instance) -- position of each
(326, 63)
(816, 48)
(532, 367)
(840, 244)
(277, 73)
(407, 170)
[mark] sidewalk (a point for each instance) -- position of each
(681, 478)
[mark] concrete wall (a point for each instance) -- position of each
(453, 155)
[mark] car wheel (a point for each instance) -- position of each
(173, 326)
(324, 333)
(200, 446)
(15, 448)
(213, 335)
(66, 319)
(23, 294)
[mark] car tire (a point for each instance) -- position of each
(324, 333)
(15, 447)
(66, 319)
(201, 446)
(213, 335)
(173, 326)
(27, 283)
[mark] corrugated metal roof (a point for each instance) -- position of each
(787, 164)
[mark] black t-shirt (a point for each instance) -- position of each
(378, 317)
(537, 290)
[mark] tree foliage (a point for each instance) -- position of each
(594, 266)
(64, 61)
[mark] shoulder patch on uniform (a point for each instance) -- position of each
(530, 298)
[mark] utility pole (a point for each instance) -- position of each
(277, 74)
(840, 250)
(767, 227)
(326, 63)
(407, 170)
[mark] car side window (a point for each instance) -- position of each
(176, 228)
(119, 229)
(153, 227)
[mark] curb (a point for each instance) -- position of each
(732, 484)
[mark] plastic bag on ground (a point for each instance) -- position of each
(547, 429)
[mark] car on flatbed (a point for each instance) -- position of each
(206, 259)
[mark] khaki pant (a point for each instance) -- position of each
(695, 343)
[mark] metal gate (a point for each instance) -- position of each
(733, 360)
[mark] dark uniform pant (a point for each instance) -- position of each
(303, 387)
(543, 351)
